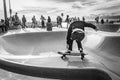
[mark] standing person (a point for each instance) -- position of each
(2, 25)
(107, 21)
(78, 19)
(67, 20)
(59, 21)
(75, 18)
(83, 18)
(16, 16)
(76, 32)
(12, 21)
(49, 24)
(42, 21)
(17, 20)
(33, 22)
(24, 21)
(7, 26)
(102, 21)
(97, 19)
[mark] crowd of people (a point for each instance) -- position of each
(99, 20)
(15, 22)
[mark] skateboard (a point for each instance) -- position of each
(64, 54)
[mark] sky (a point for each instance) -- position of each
(54, 8)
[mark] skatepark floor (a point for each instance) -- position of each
(40, 56)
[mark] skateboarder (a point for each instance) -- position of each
(76, 32)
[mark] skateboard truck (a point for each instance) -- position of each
(63, 56)
(82, 56)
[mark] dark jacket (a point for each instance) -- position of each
(80, 25)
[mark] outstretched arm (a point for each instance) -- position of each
(91, 26)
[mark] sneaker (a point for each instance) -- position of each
(81, 51)
(68, 52)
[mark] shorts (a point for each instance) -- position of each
(77, 36)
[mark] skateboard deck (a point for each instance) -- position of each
(64, 54)
(71, 54)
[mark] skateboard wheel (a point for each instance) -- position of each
(62, 57)
(82, 56)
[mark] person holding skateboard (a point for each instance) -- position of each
(76, 32)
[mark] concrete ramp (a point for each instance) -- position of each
(34, 43)
(108, 27)
(110, 45)
(38, 45)
(105, 42)
(55, 73)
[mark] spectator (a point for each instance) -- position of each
(4, 25)
(97, 19)
(59, 21)
(16, 20)
(67, 20)
(24, 21)
(102, 21)
(13, 18)
(34, 22)
(75, 18)
(43, 21)
(2, 22)
(16, 16)
(83, 18)
(107, 21)
(49, 24)
(78, 19)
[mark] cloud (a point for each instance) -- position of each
(55, 11)
(99, 7)
(66, 1)
(77, 5)
(71, 1)
(39, 10)
(89, 3)
(83, 4)
(109, 0)
(72, 7)
(109, 8)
